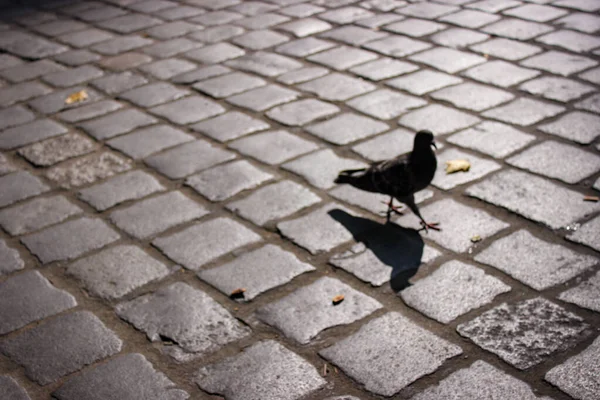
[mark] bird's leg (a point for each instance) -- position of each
(425, 225)
(391, 208)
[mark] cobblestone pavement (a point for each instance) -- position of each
(157, 157)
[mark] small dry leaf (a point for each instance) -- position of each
(337, 299)
(486, 55)
(77, 97)
(476, 238)
(237, 293)
(453, 166)
(593, 199)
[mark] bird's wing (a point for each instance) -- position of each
(394, 177)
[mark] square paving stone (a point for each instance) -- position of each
(492, 138)
(230, 126)
(580, 21)
(188, 158)
(22, 92)
(261, 39)
(592, 104)
(168, 68)
(534, 198)
(10, 260)
(500, 73)
(56, 149)
(117, 271)
(221, 182)
(385, 104)
(517, 29)
(36, 214)
(353, 35)
(414, 27)
(526, 333)
(129, 23)
(263, 98)
(559, 63)
(423, 81)
(257, 271)
(18, 186)
(70, 239)
(227, 85)
(383, 68)
(200, 74)
(116, 380)
(215, 53)
(577, 126)
(90, 111)
(583, 5)
(458, 37)
(117, 123)
(274, 201)
(15, 115)
(235, 377)
(345, 15)
(386, 146)
(172, 29)
(319, 231)
(480, 379)
(342, 57)
(534, 262)
(557, 160)
(470, 18)
(170, 48)
(370, 356)
(73, 76)
(524, 112)
(304, 47)
(261, 21)
(153, 94)
(427, 10)
(265, 63)
(121, 44)
(217, 33)
(125, 61)
(397, 46)
(302, 112)
(587, 234)
(586, 294)
(6, 166)
(61, 346)
(473, 96)
(188, 110)
(314, 310)
(535, 12)
(493, 6)
(29, 46)
(128, 186)
(581, 383)
(88, 169)
(301, 10)
(32, 70)
(146, 141)
(479, 167)
(452, 290)
(559, 89)
(117, 83)
(29, 133)
(380, 19)
(32, 298)
(186, 316)
(459, 224)
(321, 167)
(305, 27)
(10, 389)
(337, 87)
(570, 40)
(151, 216)
(216, 18)
(202, 243)
(507, 49)
(346, 128)
(438, 119)
(273, 147)
(448, 60)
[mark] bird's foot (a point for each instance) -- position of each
(430, 225)
(392, 208)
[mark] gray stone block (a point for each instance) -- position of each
(397, 46)
(259, 40)
(6, 166)
(274, 201)
(201, 74)
(305, 27)
(385, 104)
(202, 243)
(32, 298)
(70, 239)
(217, 33)
(506, 49)
(473, 96)
(524, 112)
(61, 346)
(302, 112)
(383, 68)
(470, 18)
(508, 331)
(304, 47)
(174, 29)
(573, 41)
(154, 94)
(121, 44)
(120, 82)
(588, 234)
(215, 53)
(235, 377)
(55, 101)
(559, 63)
(117, 271)
(221, 182)
(230, 126)
(592, 104)
(345, 15)
(168, 68)
(534, 198)
(88, 169)
(500, 73)
(227, 85)
(188, 158)
(535, 12)
(257, 272)
(415, 27)
(15, 115)
(22, 92)
(337, 87)
(479, 168)
(273, 147)
(30, 133)
(85, 38)
(577, 126)
(57, 149)
(29, 71)
(342, 57)
(371, 355)
(517, 29)
(346, 128)
(386, 146)
(125, 377)
(146, 141)
(423, 81)
(448, 60)
(129, 23)
(170, 48)
(459, 224)
(263, 98)
(353, 35)
(586, 294)
(582, 22)
(128, 186)
(90, 111)
(452, 290)
(29, 46)
(18, 186)
(75, 58)
(492, 138)
(151, 216)
(36, 214)
(559, 89)
(217, 17)
(10, 260)
(117, 123)
(427, 10)
(10, 389)
(195, 323)
(73, 76)
(438, 119)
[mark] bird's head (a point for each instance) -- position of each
(424, 139)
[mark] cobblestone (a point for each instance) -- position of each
(524, 112)
(96, 109)
(447, 60)
(438, 119)
(10, 260)
(263, 98)
(423, 81)
(273, 147)
(587, 234)
(559, 89)
(117, 83)
(87, 169)
(559, 63)
(18, 186)
(479, 167)
(265, 63)
(13, 116)
(29, 133)
(32, 70)
(506, 49)
(144, 142)
(165, 69)
(473, 96)
(22, 92)
(10, 389)
(304, 47)
(215, 53)
(230, 126)
(397, 46)
(153, 94)
(585, 294)
(55, 101)
(342, 57)
(227, 85)
(577, 126)
(493, 138)
(590, 104)
(57, 149)
(383, 68)
(170, 48)
(517, 29)
(415, 27)
(117, 123)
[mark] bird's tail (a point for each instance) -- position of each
(349, 175)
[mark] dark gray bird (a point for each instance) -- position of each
(399, 177)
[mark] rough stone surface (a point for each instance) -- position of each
(346, 128)
(124, 377)
(257, 271)
(230, 126)
(30, 133)
(117, 123)
(88, 169)
(18, 186)
(10, 389)
(153, 94)
(559, 63)
(438, 119)
(147, 141)
(585, 294)
(273, 147)
(188, 110)
(15, 115)
(10, 260)
(587, 234)
(235, 377)
(523, 112)
(492, 138)
(70, 239)
(32, 298)
(61, 346)
(117, 271)
(186, 316)
(302, 112)
(577, 126)
(55, 150)
(202, 243)
(526, 333)
(370, 356)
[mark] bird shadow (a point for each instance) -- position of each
(399, 248)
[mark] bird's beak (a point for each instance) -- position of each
(434, 146)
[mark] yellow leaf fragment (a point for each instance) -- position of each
(453, 166)
(475, 238)
(237, 293)
(337, 299)
(77, 97)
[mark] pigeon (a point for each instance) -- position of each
(399, 177)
